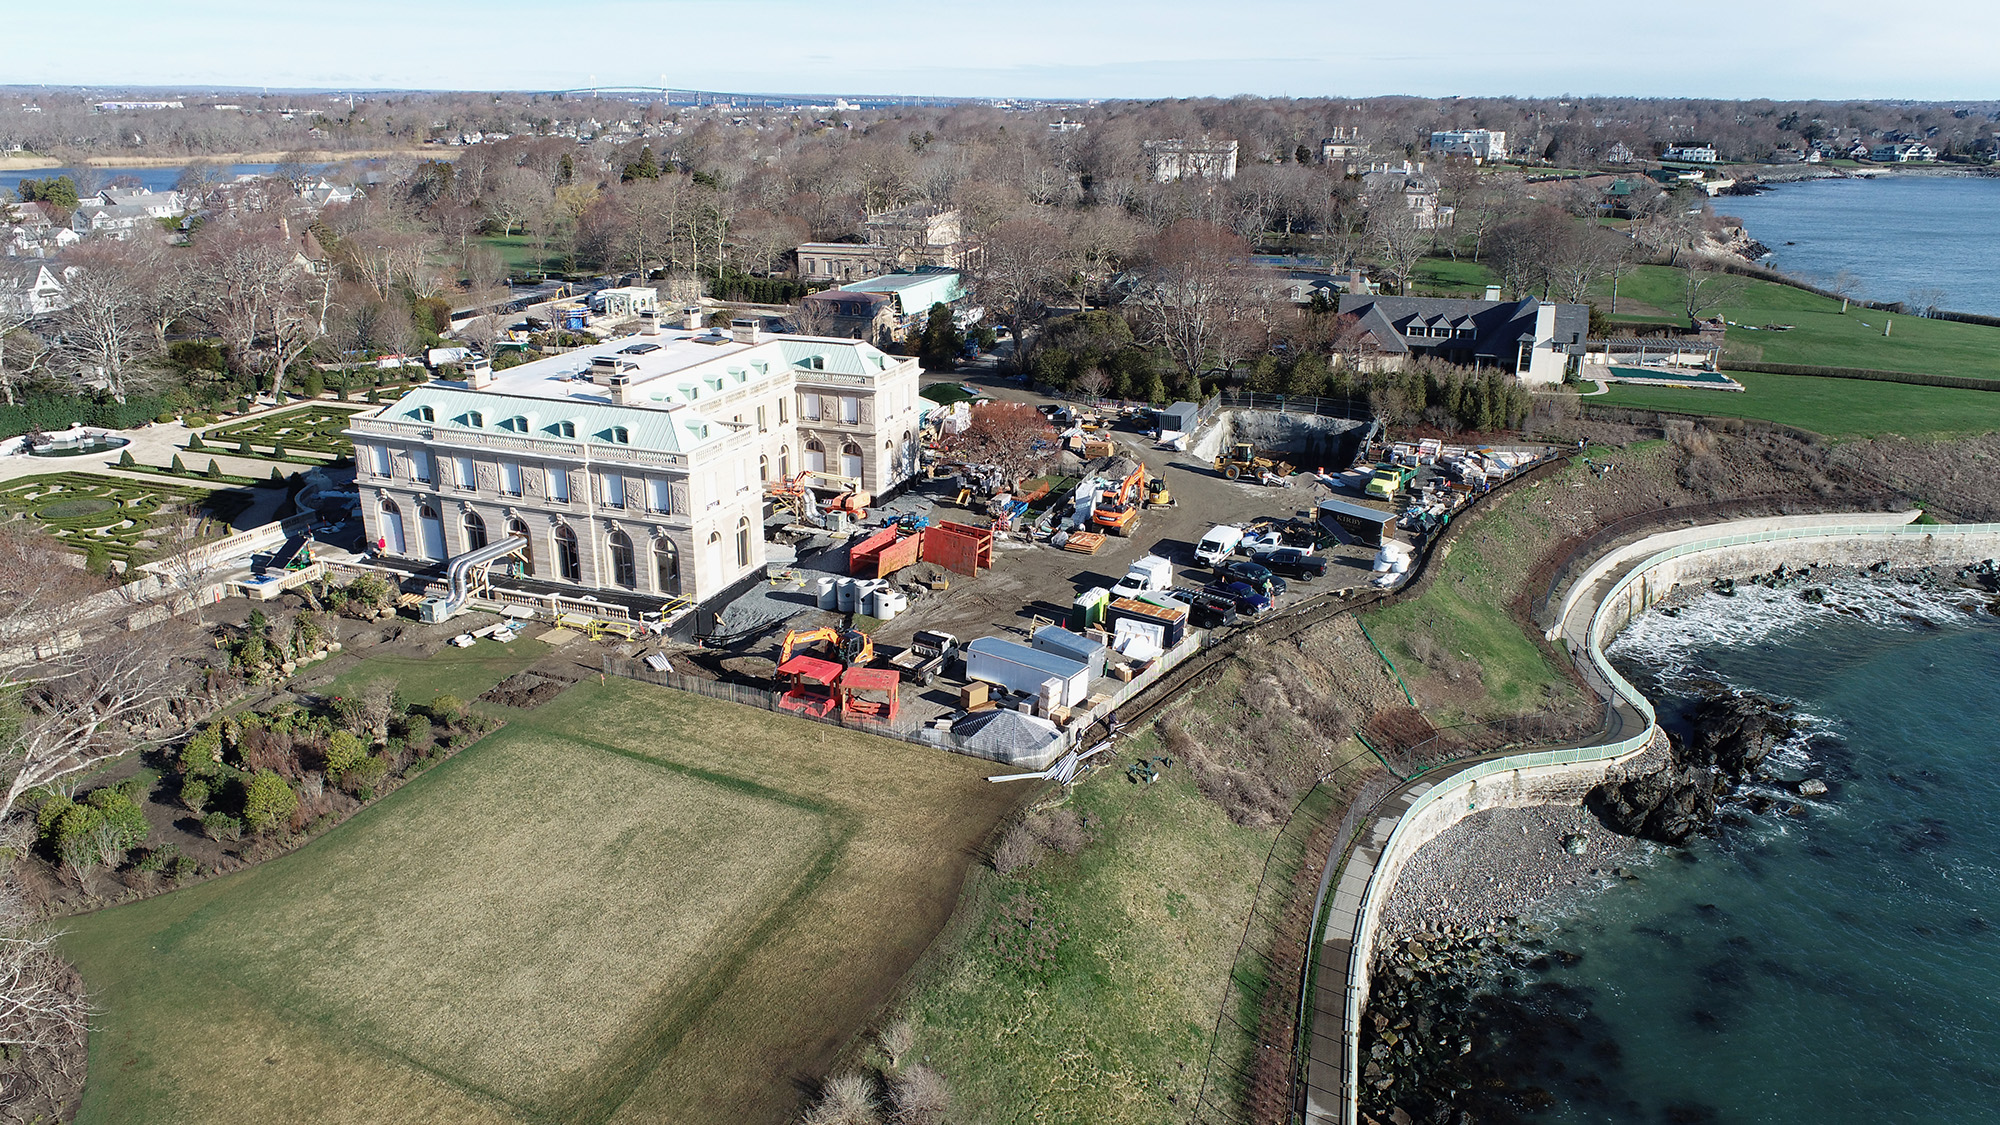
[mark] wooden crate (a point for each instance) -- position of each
(1084, 542)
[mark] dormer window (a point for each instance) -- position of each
(426, 414)
(814, 363)
(621, 436)
(565, 429)
(475, 419)
(518, 423)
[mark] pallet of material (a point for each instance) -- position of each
(1084, 542)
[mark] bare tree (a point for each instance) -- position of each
(1394, 237)
(104, 330)
(1927, 300)
(920, 1097)
(1705, 288)
(16, 313)
(1194, 302)
(1013, 437)
(1025, 264)
(813, 318)
(44, 1012)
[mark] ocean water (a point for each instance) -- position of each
(1843, 966)
(153, 179)
(1896, 234)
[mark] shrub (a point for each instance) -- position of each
(214, 469)
(222, 826)
(158, 859)
(362, 778)
(195, 794)
(313, 385)
(125, 460)
(278, 450)
(243, 447)
(343, 752)
(1017, 851)
(177, 466)
(417, 734)
(194, 444)
(268, 801)
(122, 816)
(164, 417)
(201, 754)
(448, 709)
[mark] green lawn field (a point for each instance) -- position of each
(1837, 408)
(1821, 335)
(629, 905)
(518, 251)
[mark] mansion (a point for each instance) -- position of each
(634, 466)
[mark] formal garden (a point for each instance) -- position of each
(108, 519)
(308, 435)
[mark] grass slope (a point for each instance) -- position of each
(1821, 335)
(1838, 408)
(630, 905)
(1120, 1019)
(1460, 625)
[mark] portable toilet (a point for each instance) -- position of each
(1087, 612)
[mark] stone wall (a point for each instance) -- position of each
(1309, 440)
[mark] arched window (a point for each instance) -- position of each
(565, 429)
(391, 540)
(430, 531)
(516, 527)
(763, 466)
(623, 570)
(475, 531)
(426, 414)
(743, 541)
(518, 423)
(850, 460)
(784, 462)
(667, 566)
(569, 561)
(621, 435)
(475, 419)
(815, 456)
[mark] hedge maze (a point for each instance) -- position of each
(311, 430)
(107, 518)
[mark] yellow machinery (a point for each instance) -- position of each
(852, 646)
(1117, 509)
(1242, 459)
(1157, 494)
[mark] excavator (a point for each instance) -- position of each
(1117, 509)
(851, 646)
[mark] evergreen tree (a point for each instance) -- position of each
(178, 467)
(194, 443)
(214, 469)
(647, 167)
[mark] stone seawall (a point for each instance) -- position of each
(1606, 597)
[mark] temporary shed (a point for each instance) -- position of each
(1181, 418)
(1365, 524)
(1017, 667)
(1074, 646)
(1007, 736)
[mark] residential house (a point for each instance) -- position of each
(906, 238)
(1479, 144)
(36, 287)
(879, 309)
(118, 222)
(1416, 188)
(1344, 148)
(1902, 152)
(1618, 153)
(634, 468)
(1694, 152)
(1535, 341)
(1179, 159)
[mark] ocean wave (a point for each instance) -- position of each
(1665, 637)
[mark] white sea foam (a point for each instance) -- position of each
(1665, 637)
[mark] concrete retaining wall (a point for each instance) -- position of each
(1657, 565)
(1307, 438)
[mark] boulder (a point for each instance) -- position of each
(1812, 787)
(1735, 733)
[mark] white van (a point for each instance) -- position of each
(1216, 547)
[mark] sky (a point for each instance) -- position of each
(1785, 49)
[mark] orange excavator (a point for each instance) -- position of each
(851, 647)
(1117, 509)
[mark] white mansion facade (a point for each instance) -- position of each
(635, 465)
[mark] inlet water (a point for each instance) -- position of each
(1898, 235)
(1842, 966)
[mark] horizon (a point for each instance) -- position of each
(1043, 51)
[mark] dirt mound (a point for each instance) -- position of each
(526, 690)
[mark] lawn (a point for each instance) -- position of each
(1116, 1026)
(1821, 334)
(465, 673)
(518, 252)
(1463, 613)
(113, 517)
(1444, 277)
(308, 429)
(629, 905)
(1837, 408)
